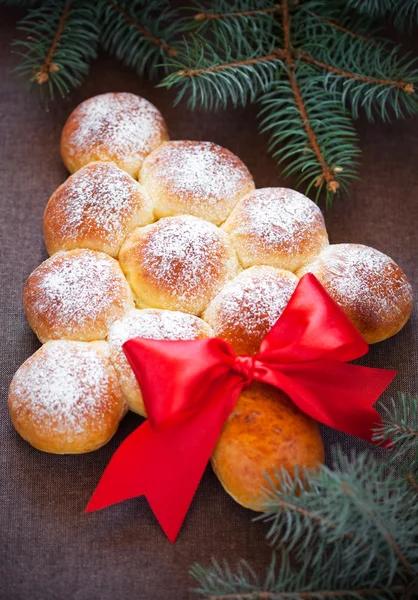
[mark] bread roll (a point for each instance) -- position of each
(277, 227)
(195, 178)
(76, 295)
(178, 263)
(264, 433)
(66, 398)
(119, 127)
(95, 208)
(157, 325)
(249, 305)
(370, 287)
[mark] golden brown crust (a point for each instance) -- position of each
(119, 127)
(178, 263)
(95, 208)
(149, 323)
(249, 305)
(264, 433)
(76, 295)
(370, 287)
(66, 398)
(195, 178)
(278, 227)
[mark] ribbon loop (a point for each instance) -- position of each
(191, 387)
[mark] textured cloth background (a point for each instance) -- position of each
(50, 550)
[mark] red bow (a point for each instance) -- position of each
(190, 388)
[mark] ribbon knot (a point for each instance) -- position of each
(245, 366)
(190, 388)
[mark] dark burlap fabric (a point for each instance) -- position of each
(50, 550)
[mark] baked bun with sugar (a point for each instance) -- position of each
(76, 295)
(155, 324)
(66, 398)
(264, 433)
(195, 178)
(249, 305)
(178, 263)
(95, 208)
(119, 127)
(277, 227)
(370, 287)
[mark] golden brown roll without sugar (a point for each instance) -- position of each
(76, 295)
(277, 227)
(178, 263)
(95, 208)
(66, 398)
(370, 287)
(195, 178)
(149, 323)
(119, 127)
(249, 305)
(264, 433)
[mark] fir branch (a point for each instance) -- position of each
(61, 38)
(139, 33)
(310, 132)
(369, 76)
(215, 75)
(400, 424)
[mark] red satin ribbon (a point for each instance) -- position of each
(190, 387)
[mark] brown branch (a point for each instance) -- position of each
(278, 54)
(363, 592)
(245, 13)
(328, 175)
(340, 27)
(408, 88)
(412, 482)
(163, 45)
(406, 430)
(49, 66)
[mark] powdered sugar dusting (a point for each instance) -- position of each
(186, 255)
(99, 201)
(71, 290)
(198, 178)
(121, 124)
(65, 387)
(249, 305)
(157, 325)
(363, 279)
(280, 218)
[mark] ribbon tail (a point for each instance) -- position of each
(337, 394)
(165, 465)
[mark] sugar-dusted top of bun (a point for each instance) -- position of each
(181, 258)
(95, 208)
(197, 178)
(370, 287)
(76, 293)
(114, 126)
(158, 324)
(249, 305)
(67, 388)
(277, 226)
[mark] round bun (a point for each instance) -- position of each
(249, 305)
(195, 178)
(178, 263)
(277, 227)
(76, 295)
(264, 433)
(157, 325)
(66, 398)
(119, 127)
(370, 287)
(95, 208)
